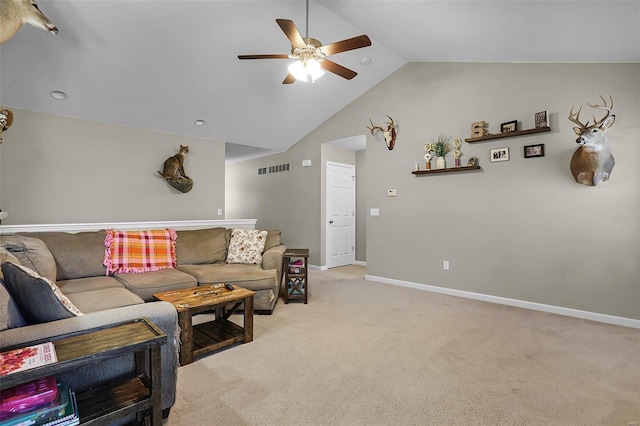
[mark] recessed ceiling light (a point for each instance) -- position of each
(199, 122)
(365, 61)
(57, 94)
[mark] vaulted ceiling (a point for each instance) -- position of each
(162, 65)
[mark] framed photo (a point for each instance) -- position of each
(509, 126)
(531, 151)
(499, 154)
(542, 119)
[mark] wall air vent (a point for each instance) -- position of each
(274, 169)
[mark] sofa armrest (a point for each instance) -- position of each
(272, 259)
(162, 314)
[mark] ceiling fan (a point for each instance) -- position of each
(311, 54)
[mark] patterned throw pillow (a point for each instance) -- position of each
(39, 299)
(246, 246)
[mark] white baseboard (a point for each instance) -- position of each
(576, 313)
(175, 224)
(360, 263)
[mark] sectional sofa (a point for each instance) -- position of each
(74, 261)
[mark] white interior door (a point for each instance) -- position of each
(341, 214)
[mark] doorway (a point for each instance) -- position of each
(340, 214)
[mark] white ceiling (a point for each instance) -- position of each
(161, 65)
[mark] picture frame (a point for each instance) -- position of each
(541, 119)
(532, 151)
(509, 126)
(499, 154)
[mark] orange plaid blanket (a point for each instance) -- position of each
(139, 251)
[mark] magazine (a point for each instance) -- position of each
(27, 358)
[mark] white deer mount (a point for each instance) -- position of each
(15, 13)
(389, 133)
(592, 162)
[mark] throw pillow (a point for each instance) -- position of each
(246, 246)
(39, 299)
(5, 256)
(139, 251)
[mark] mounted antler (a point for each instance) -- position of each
(592, 162)
(389, 133)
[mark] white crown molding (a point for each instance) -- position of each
(177, 225)
(576, 313)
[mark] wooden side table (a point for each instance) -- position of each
(107, 404)
(296, 278)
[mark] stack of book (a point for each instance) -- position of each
(295, 267)
(41, 402)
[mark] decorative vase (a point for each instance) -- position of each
(441, 163)
(427, 165)
(457, 162)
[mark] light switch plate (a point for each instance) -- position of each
(374, 212)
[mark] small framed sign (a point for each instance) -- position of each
(509, 126)
(531, 151)
(499, 154)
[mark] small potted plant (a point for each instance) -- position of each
(441, 147)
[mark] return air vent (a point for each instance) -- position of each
(274, 169)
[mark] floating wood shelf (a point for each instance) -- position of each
(509, 134)
(448, 169)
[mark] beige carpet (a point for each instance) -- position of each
(367, 353)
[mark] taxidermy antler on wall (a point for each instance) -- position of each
(6, 120)
(592, 162)
(173, 171)
(15, 13)
(389, 133)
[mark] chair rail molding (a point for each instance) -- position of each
(177, 225)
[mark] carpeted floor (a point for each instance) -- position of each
(367, 353)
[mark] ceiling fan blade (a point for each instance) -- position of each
(289, 79)
(292, 33)
(345, 45)
(337, 69)
(275, 56)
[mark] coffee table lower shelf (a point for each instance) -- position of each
(214, 335)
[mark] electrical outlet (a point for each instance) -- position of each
(391, 193)
(445, 265)
(219, 212)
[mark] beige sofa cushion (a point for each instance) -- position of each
(251, 277)
(77, 255)
(147, 284)
(80, 285)
(273, 239)
(201, 246)
(106, 298)
(5, 256)
(32, 253)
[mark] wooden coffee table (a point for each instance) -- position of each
(196, 340)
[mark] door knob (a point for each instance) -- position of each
(330, 221)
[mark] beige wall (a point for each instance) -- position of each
(62, 170)
(521, 229)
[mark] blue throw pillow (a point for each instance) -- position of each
(39, 299)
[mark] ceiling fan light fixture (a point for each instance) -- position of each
(309, 70)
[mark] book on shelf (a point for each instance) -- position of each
(26, 358)
(62, 411)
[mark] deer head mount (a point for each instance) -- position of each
(389, 133)
(6, 120)
(15, 13)
(592, 162)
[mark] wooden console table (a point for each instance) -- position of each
(107, 404)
